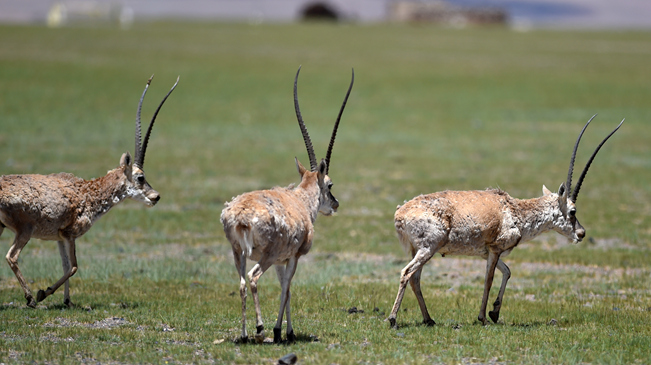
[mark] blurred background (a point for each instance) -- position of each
(518, 13)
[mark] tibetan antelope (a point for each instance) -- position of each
(62, 207)
(276, 227)
(488, 224)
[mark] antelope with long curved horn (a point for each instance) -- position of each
(487, 223)
(276, 226)
(62, 207)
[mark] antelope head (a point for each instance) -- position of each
(137, 186)
(566, 222)
(328, 204)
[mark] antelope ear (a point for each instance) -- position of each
(125, 160)
(546, 191)
(562, 193)
(301, 169)
(323, 167)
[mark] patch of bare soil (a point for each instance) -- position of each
(107, 323)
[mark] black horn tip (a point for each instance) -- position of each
(577, 188)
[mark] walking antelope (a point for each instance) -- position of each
(276, 227)
(62, 207)
(487, 223)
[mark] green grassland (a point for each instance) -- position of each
(432, 109)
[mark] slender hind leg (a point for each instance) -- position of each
(420, 258)
(415, 287)
(254, 275)
(65, 262)
(240, 265)
(21, 239)
(69, 244)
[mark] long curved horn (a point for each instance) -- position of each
(334, 130)
(140, 161)
(138, 135)
(568, 184)
(306, 136)
(575, 193)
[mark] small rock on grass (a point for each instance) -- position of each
(288, 359)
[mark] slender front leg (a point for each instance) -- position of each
(290, 330)
(240, 265)
(280, 272)
(506, 274)
(21, 239)
(254, 276)
(285, 282)
(69, 244)
(420, 258)
(490, 271)
(65, 262)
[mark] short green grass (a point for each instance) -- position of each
(432, 109)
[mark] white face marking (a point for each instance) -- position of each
(139, 195)
(140, 190)
(566, 223)
(328, 203)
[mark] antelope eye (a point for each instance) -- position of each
(140, 178)
(572, 213)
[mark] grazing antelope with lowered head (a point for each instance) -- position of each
(276, 227)
(487, 223)
(62, 207)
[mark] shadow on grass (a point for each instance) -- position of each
(535, 324)
(300, 338)
(421, 324)
(459, 325)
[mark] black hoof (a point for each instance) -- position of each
(483, 321)
(277, 335)
(291, 337)
(392, 322)
(68, 303)
(494, 316)
(429, 323)
(40, 295)
(31, 302)
(259, 335)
